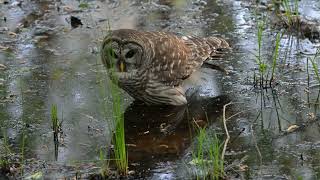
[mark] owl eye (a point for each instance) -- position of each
(130, 54)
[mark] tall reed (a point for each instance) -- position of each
(315, 64)
(275, 56)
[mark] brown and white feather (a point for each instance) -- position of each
(166, 62)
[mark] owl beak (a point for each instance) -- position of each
(121, 66)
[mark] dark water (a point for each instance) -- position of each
(49, 62)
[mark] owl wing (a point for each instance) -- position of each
(170, 64)
(204, 48)
(177, 58)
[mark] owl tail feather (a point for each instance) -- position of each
(219, 47)
(216, 42)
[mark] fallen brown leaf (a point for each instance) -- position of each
(164, 146)
(2, 66)
(292, 128)
(4, 48)
(243, 167)
(12, 34)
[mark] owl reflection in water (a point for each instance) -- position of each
(151, 66)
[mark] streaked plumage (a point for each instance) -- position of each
(151, 66)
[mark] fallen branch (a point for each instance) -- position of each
(226, 130)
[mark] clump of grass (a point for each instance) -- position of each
(6, 145)
(54, 118)
(215, 152)
(5, 152)
(119, 134)
(10, 160)
(83, 5)
(315, 64)
(275, 56)
(262, 66)
(119, 150)
(287, 9)
(4, 164)
(208, 155)
(104, 163)
(296, 7)
(259, 39)
(56, 128)
(290, 11)
(104, 159)
(56, 124)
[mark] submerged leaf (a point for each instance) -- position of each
(35, 176)
(3, 48)
(83, 5)
(2, 66)
(292, 128)
(243, 167)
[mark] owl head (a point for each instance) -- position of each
(121, 52)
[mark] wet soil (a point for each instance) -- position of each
(48, 58)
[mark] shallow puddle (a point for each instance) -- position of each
(274, 131)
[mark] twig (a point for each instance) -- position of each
(256, 145)
(237, 114)
(226, 130)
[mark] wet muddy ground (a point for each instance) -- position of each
(47, 59)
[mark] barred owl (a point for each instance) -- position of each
(150, 66)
